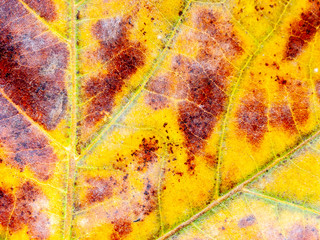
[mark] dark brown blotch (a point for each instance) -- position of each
(196, 125)
(206, 80)
(35, 83)
(252, 116)
(303, 31)
(122, 57)
(158, 90)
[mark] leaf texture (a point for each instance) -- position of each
(159, 119)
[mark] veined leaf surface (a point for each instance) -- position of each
(156, 119)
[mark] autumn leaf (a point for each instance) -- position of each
(159, 119)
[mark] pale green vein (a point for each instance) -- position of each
(72, 158)
(279, 201)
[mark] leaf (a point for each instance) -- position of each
(159, 119)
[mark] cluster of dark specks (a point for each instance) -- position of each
(142, 203)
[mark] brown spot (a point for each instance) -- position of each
(294, 47)
(45, 8)
(27, 210)
(206, 80)
(156, 101)
(307, 232)
(23, 144)
(247, 221)
(122, 228)
(146, 154)
(297, 110)
(101, 189)
(252, 116)
(32, 66)
(303, 31)
(122, 57)
(196, 125)
(281, 116)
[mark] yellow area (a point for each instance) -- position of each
(282, 201)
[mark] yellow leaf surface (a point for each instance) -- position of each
(159, 119)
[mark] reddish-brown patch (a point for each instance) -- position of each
(101, 189)
(299, 232)
(206, 80)
(281, 116)
(6, 206)
(122, 228)
(25, 146)
(297, 111)
(252, 116)
(303, 31)
(32, 66)
(25, 210)
(301, 104)
(122, 57)
(146, 154)
(202, 82)
(196, 124)
(45, 8)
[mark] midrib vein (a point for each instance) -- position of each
(72, 156)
